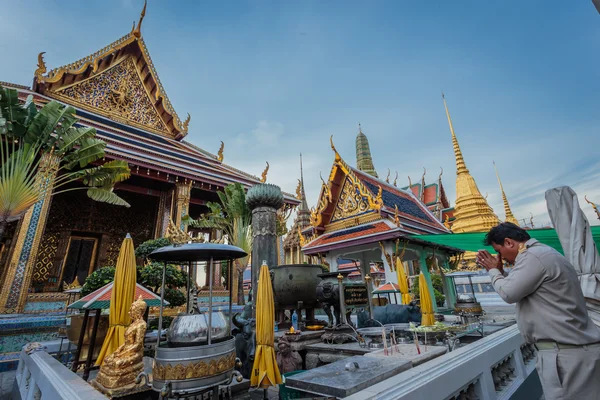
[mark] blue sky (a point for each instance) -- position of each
(276, 78)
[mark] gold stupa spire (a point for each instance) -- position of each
(507, 211)
(472, 212)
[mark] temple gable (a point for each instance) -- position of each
(119, 92)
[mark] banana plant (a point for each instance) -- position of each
(27, 133)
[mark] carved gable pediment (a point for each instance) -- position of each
(118, 92)
(350, 202)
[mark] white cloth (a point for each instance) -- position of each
(573, 231)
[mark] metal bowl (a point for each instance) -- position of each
(191, 330)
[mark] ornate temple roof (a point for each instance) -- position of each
(355, 207)
(118, 81)
(117, 91)
(433, 195)
(364, 161)
(471, 210)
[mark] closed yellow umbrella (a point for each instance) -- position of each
(265, 371)
(402, 281)
(426, 303)
(120, 299)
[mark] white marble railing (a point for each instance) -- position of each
(40, 376)
(488, 369)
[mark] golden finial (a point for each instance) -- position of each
(301, 237)
(447, 221)
(41, 65)
(367, 278)
(509, 217)
(396, 216)
(461, 167)
(137, 32)
(220, 153)
(387, 178)
(263, 178)
(340, 277)
(441, 173)
(337, 155)
(396, 179)
(409, 182)
(186, 123)
(423, 178)
(593, 206)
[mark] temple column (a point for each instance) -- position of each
(264, 200)
(182, 203)
(427, 275)
(18, 274)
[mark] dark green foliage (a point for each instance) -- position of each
(438, 289)
(99, 278)
(153, 324)
(144, 249)
(150, 276)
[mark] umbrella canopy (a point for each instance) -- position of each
(100, 299)
(574, 233)
(426, 303)
(402, 281)
(265, 371)
(388, 287)
(120, 300)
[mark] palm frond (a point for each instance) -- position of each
(70, 138)
(91, 150)
(106, 196)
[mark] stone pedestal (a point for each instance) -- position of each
(264, 200)
(321, 354)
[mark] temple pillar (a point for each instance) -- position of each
(390, 276)
(264, 200)
(182, 203)
(17, 277)
(427, 275)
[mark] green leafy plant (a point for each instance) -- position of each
(438, 289)
(146, 248)
(97, 279)
(28, 134)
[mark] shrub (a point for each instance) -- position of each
(144, 249)
(97, 279)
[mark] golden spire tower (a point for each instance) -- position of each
(509, 217)
(364, 161)
(472, 212)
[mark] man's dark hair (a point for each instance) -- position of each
(505, 230)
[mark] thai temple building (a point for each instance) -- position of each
(63, 238)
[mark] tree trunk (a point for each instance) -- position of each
(3, 225)
(240, 288)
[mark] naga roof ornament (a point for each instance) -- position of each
(220, 153)
(593, 206)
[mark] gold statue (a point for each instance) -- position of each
(263, 178)
(120, 369)
(220, 153)
(178, 237)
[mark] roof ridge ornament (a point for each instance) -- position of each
(220, 155)
(593, 206)
(396, 180)
(41, 67)
(137, 31)
(387, 178)
(337, 155)
(263, 177)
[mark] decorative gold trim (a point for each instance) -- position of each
(220, 155)
(200, 369)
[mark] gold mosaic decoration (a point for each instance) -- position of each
(199, 369)
(350, 202)
(120, 93)
(45, 259)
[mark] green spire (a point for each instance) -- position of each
(364, 161)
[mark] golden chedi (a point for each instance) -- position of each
(120, 369)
